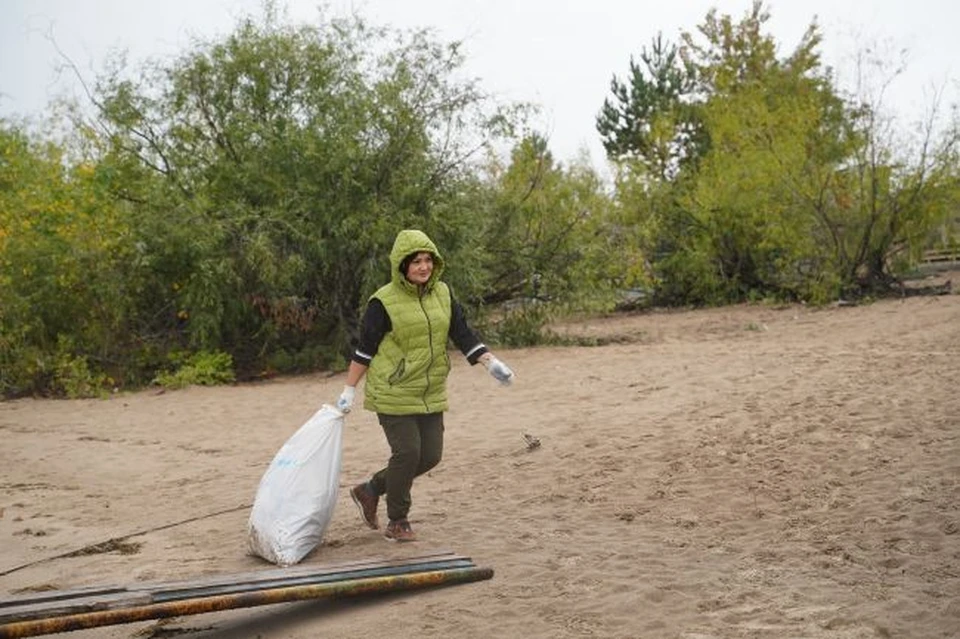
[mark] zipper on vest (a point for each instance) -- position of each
(426, 390)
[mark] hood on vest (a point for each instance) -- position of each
(408, 242)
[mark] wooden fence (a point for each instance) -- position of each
(939, 256)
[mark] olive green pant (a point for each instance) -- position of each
(416, 446)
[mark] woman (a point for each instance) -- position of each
(403, 353)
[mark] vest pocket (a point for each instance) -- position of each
(397, 373)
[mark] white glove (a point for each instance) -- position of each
(345, 401)
(500, 371)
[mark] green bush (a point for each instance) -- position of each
(521, 326)
(74, 379)
(308, 358)
(204, 368)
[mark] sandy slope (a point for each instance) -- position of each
(739, 472)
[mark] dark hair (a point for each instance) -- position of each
(405, 262)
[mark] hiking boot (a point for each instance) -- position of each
(399, 530)
(366, 502)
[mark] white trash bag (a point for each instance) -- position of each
(298, 492)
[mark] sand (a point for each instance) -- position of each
(738, 472)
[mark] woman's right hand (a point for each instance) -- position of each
(345, 401)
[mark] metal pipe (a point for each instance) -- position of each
(262, 579)
(46, 608)
(349, 588)
(305, 580)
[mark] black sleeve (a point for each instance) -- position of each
(374, 325)
(462, 335)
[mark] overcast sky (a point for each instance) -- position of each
(560, 54)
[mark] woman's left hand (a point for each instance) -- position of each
(500, 371)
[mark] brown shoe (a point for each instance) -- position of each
(366, 503)
(399, 530)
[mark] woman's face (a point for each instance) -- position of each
(420, 268)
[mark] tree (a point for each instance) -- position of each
(652, 118)
(539, 242)
(540, 220)
(287, 158)
(770, 120)
(234, 206)
(65, 264)
(801, 192)
(892, 191)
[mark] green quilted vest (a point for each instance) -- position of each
(408, 375)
